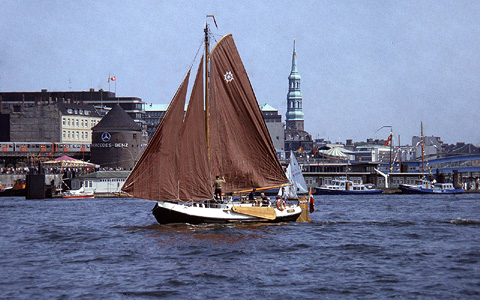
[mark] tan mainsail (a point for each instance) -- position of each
(241, 148)
(154, 177)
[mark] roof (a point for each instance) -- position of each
(77, 109)
(156, 107)
(159, 107)
(267, 107)
(117, 119)
(106, 174)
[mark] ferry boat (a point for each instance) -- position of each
(423, 186)
(343, 186)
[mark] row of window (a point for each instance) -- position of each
(78, 111)
(67, 134)
(298, 104)
(78, 122)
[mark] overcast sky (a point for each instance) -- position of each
(364, 64)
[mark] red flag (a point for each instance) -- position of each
(388, 140)
(312, 202)
(113, 78)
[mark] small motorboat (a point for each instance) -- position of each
(77, 194)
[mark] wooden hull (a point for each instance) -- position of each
(166, 212)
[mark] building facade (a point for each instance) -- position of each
(16, 101)
(117, 141)
(55, 123)
(275, 126)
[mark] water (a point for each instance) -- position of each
(358, 247)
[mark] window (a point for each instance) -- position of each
(69, 110)
(64, 134)
(68, 121)
(77, 122)
(77, 134)
(69, 134)
(64, 121)
(86, 135)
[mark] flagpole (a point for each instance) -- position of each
(109, 82)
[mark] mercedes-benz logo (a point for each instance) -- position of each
(106, 136)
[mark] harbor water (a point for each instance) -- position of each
(357, 247)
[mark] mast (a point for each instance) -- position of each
(423, 153)
(206, 94)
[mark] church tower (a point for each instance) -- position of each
(296, 138)
(294, 117)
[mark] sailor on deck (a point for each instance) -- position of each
(218, 187)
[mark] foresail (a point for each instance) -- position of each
(295, 176)
(241, 148)
(194, 174)
(155, 176)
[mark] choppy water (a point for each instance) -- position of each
(367, 247)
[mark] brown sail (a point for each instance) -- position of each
(194, 173)
(155, 176)
(241, 148)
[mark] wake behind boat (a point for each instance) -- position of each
(222, 134)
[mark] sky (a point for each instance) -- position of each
(364, 64)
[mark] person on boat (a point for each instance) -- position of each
(218, 187)
(265, 200)
(284, 195)
(251, 196)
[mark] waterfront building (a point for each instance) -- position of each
(102, 183)
(117, 141)
(153, 116)
(296, 138)
(16, 101)
(52, 123)
(273, 120)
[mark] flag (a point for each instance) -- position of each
(311, 201)
(389, 139)
(113, 78)
(315, 150)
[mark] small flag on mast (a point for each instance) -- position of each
(389, 139)
(113, 78)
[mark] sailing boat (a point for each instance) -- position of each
(425, 186)
(295, 177)
(222, 134)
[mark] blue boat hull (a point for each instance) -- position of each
(419, 190)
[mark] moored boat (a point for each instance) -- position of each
(424, 186)
(81, 193)
(346, 187)
(222, 134)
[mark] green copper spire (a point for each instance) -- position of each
(294, 96)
